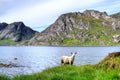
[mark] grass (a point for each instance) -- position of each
(3, 77)
(7, 42)
(84, 72)
(107, 69)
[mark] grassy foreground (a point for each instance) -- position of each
(107, 69)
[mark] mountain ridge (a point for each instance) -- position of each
(87, 28)
(16, 31)
(78, 28)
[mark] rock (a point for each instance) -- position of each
(95, 14)
(3, 26)
(10, 65)
(116, 38)
(116, 25)
(15, 58)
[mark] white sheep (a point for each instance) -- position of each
(68, 59)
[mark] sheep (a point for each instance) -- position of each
(68, 59)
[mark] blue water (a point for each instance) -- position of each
(36, 59)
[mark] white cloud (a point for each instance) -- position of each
(109, 6)
(41, 13)
(46, 12)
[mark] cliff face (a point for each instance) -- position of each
(16, 31)
(88, 28)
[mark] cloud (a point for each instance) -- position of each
(45, 12)
(39, 13)
(111, 6)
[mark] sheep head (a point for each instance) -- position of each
(73, 53)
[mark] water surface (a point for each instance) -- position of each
(36, 59)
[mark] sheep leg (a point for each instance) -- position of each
(71, 63)
(62, 62)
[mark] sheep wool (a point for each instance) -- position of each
(68, 59)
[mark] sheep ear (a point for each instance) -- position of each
(71, 52)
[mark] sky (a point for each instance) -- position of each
(39, 14)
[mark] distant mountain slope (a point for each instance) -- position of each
(88, 28)
(16, 31)
(116, 16)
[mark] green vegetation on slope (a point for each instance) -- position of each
(107, 69)
(96, 35)
(7, 42)
(112, 61)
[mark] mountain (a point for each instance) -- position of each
(16, 31)
(116, 16)
(73, 29)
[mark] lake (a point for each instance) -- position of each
(35, 59)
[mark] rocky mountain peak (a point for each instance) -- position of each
(3, 25)
(18, 23)
(95, 14)
(76, 28)
(16, 31)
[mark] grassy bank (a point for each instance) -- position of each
(86, 72)
(107, 69)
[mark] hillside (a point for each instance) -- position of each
(14, 32)
(112, 61)
(80, 29)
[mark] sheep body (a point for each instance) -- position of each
(68, 59)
